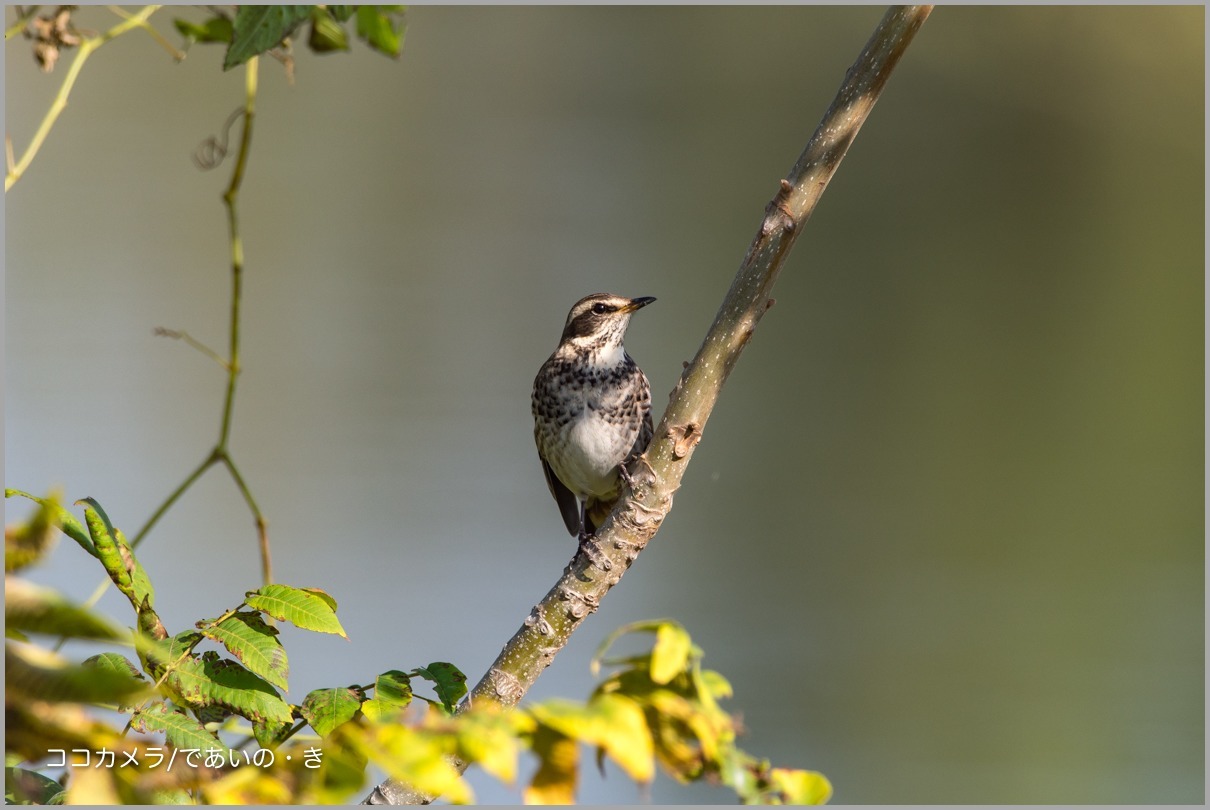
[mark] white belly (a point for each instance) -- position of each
(591, 454)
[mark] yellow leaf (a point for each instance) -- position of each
(485, 736)
(671, 704)
(681, 722)
(716, 685)
(802, 787)
(416, 757)
(624, 736)
(564, 716)
(92, 786)
(613, 722)
(673, 749)
(555, 781)
(670, 655)
(381, 711)
(246, 786)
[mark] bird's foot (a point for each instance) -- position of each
(625, 475)
(637, 476)
(592, 550)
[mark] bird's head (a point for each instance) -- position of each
(599, 321)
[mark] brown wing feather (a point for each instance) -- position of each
(569, 506)
(644, 438)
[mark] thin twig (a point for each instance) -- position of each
(262, 528)
(173, 51)
(190, 479)
(177, 334)
(654, 477)
(23, 19)
(69, 80)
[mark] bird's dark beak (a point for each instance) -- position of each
(638, 303)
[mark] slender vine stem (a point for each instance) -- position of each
(231, 200)
(27, 14)
(173, 51)
(262, 527)
(221, 454)
(173, 498)
(656, 475)
(87, 46)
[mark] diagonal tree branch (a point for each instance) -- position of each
(657, 474)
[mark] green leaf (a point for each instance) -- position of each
(140, 582)
(149, 621)
(159, 653)
(224, 682)
(182, 731)
(23, 786)
(215, 29)
(670, 655)
(28, 542)
(254, 643)
(33, 673)
(341, 13)
(375, 26)
(118, 557)
(66, 520)
(113, 663)
(34, 609)
(270, 735)
(448, 682)
(326, 33)
(322, 594)
(392, 694)
(325, 709)
(299, 607)
(261, 28)
(100, 514)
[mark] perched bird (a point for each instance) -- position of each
(592, 411)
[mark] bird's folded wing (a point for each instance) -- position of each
(568, 505)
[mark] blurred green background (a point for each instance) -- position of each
(945, 531)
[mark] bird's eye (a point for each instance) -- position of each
(601, 309)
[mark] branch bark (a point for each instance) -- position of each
(656, 476)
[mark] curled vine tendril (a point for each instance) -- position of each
(210, 152)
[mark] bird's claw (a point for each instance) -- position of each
(592, 550)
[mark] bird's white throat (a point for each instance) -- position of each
(610, 355)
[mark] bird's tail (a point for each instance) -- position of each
(595, 513)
